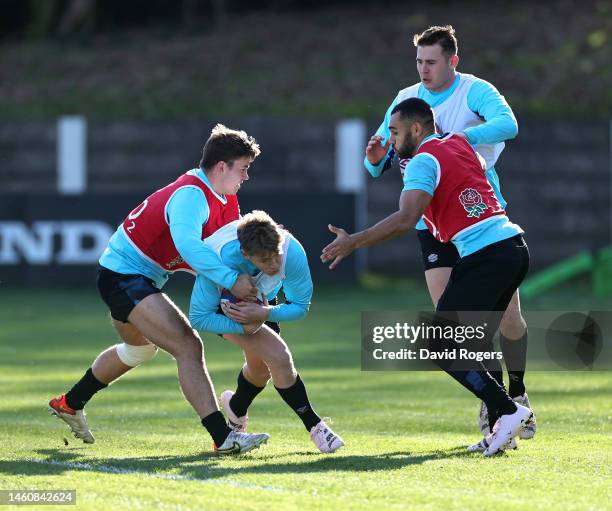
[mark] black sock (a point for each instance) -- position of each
(515, 354)
(484, 386)
(497, 400)
(83, 390)
(498, 376)
(217, 427)
(245, 393)
(494, 366)
(296, 397)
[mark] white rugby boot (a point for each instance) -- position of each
(483, 444)
(529, 429)
(325, 439)
(483, 420)
(238, 443)
(506, 428)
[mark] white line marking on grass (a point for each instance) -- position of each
(157, 475)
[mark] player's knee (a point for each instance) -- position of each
(260, 374)
(281, 361)
(133, 356)
(191, 346)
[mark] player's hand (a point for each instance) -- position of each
(376, 150)
(246, 312)
(338, 249)
(244, 289)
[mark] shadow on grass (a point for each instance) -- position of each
(207, 466)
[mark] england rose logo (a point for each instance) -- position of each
(472, 202)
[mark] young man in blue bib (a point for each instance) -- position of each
(257, 246)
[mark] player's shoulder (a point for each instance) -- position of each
(421, 167)
(425, 160)
(295, 250)
(189, 186)
(292, 242)
(194, 178)
(476, 83)
(188, 197)
(409, 92)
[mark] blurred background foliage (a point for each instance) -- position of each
(160, 59)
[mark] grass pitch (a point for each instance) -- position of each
(405, 432)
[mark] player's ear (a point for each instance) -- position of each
(218, 166)
(454, 61)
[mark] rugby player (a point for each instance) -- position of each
(471, 108)
(257, 246)
(159, 237)
(445, 184)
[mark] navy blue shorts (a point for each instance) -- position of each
(122, 292)
(436, 254)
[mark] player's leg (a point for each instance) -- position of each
(161, 321)
(119, 359)
(107, 367)
(255, 370)
(513, 336)
(268, 346)
(438, 260)
(112, 363)
(252, 379)
(120, 292)
(513, 339)
(515, 355)
(485, 281)
(151, 315)
(437, 279)
(166, 326)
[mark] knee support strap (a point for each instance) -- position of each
(135, 355)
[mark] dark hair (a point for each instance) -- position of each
(415, 109)
(225, 144)
(259, 235)
(444, 36)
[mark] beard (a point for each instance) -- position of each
(406, 150)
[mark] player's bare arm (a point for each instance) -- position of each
(411, 206)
